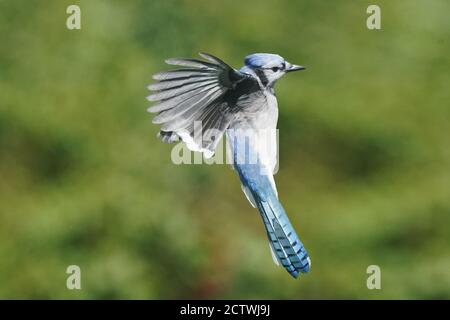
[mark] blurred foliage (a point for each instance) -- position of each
(364, 152)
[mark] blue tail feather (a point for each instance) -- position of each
(283, 239)
(287, 246)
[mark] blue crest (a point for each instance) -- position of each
(258, 60)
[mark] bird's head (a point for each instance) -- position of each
(269, 67)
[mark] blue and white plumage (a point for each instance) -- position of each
(241, 103)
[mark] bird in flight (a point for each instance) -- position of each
(203, 99)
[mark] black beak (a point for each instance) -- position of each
(294, 67)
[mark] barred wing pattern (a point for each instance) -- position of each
(199, 91)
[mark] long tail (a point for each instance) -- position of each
(283, 239)
(259, 187)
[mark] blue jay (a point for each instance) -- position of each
(241, 104)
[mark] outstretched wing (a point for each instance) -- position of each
(198, 101)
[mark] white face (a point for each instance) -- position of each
(269, 67)
(274, 71)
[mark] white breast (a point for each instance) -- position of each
(263, 125)
(266, 123)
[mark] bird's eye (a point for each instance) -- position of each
(275, 69)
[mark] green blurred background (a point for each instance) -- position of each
(364, 152)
